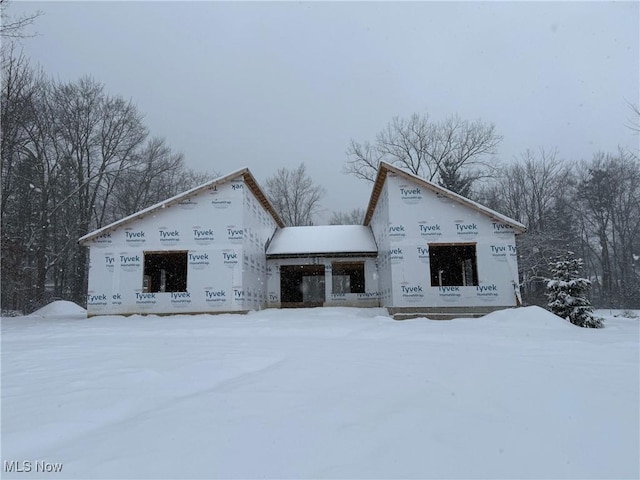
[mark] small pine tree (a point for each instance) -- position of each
(453, 179)
(566, 292)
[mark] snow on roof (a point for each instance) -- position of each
(242, 172)
(323, 240)
(385, 167)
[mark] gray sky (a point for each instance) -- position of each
(269, 85)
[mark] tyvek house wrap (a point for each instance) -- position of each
(259, 227)
(210, 227)
(419, 218)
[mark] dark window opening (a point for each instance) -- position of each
(453, 265)
(348, 277)
(165, 272)
(302, 285)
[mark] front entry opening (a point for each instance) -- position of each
(302, 285)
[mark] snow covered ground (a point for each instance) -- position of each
(323, 393)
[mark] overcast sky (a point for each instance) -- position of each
(269, 85)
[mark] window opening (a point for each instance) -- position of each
(453, 265)
(302, 285)
(165, 272)
(347, 277)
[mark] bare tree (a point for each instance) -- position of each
(28, 177)
(592, 208)
(294, 196)
(634, 121)
(99, 137)
(18, 89)
(13, 27)
(608, 200)
(529, 187)
(354, 217)
(159, 174)
(432, 150)
(72, 158)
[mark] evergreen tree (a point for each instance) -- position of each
(452, 178)
(566, 292)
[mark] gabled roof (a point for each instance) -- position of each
(327, 240)
(248, 178)
(385, 168)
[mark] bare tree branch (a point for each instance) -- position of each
(13, 27)
(354, 217)
(294, 196)
(453, 149)
(634, 121)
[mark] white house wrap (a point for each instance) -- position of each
(201, 251)
(437, 249)
(221, 247)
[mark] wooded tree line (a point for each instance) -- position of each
(591, 208)
(74, 158)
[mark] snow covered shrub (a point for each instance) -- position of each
(566, 292)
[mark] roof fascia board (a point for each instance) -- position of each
(375, 193)
(262, 196)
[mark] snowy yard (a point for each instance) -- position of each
(322, 393)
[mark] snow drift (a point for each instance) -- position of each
(60, 309)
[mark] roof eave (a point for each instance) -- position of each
(375, 193)
(262, 197)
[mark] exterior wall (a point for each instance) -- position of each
(209, 226)
(259, 227)
(380, 227)
(367, 299)
(419, 217)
